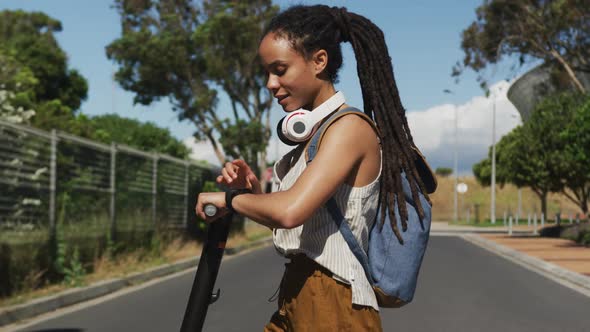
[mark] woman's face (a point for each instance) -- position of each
(291, 78)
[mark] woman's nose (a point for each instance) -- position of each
(273, 83)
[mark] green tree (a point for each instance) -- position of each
(575, 156)
(44, 81)
(17, 78)
(186, 52)
(144, 136)
(513, 167)
(522, 160)
(551, 31)
(10, 113)
(548, 153)
(443, 171)
(483, 171)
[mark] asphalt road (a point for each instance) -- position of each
(461, 288)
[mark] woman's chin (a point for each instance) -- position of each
(288, 108)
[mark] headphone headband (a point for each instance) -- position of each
(327, 107)
(299, 125)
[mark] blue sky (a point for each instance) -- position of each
(423, 39)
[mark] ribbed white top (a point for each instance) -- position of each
(320, 239)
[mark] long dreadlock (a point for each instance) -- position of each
(310, 28)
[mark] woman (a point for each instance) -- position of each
(324, 287)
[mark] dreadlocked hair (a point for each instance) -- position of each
(311, 28)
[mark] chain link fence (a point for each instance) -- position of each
(57, 188)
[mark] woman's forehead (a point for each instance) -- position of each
(274, 47)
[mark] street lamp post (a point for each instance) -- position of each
(493, 186)
(456, 166)
(455, 162)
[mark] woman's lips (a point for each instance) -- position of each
(281, 99)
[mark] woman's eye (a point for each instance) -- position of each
(280, 71)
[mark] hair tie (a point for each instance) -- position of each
(342, 20)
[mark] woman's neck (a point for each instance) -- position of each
(323, 95)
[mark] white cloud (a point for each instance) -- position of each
(433, 129)
(204, 151)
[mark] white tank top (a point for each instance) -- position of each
(320, 239)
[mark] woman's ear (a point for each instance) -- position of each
(320, 61)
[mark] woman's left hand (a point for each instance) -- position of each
(217, 199)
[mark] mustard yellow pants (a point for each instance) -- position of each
(310, 300)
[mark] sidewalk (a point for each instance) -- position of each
(438, 227)
(561, 252)
(560, 259)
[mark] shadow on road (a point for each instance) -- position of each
(59, 330)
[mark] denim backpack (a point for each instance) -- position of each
(391, 267)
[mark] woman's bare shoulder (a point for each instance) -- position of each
(354, 128)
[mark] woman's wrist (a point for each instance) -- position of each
(231, 194)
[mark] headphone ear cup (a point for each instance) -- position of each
(282, 137)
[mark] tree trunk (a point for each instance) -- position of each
(584, 202)
(216, 149)
(580, 198)
(262, 164)
(542, 194)
(569, 71)
(544, 204)
(264, 160)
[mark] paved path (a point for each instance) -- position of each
(561, 260)
(461, 288)
(561, 252)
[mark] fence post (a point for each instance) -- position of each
(529, 220)
(519, 212)
(52, 183)
(154, 187)
(113, 190)
(185, 216)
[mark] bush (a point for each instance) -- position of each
(552, 231)
(580, 233)
(443, 171)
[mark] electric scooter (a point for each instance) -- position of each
(202, 291)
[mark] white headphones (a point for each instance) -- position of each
(300, 125)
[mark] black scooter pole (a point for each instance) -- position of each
(202, 292)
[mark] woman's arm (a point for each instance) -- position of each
(346, 142)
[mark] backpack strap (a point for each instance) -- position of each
(424, 170)
(353, 244)
(331, 205)
(313, 145)
(311, 150)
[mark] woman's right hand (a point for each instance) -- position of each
(238, 175)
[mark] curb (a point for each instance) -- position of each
(442, 227)
(535, 264)
(69, 297)
(458, 232)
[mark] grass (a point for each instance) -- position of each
(477, 201)
(106, 267)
